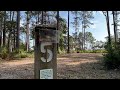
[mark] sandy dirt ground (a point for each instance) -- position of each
(69, 66)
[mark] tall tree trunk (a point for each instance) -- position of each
(116, 16)
(14, 40)
(82, 36)
(68, 35)
(48, 19)
(18, 30)
(84, 29)
(38, 17)
(0, 32)
(12, 34)
(114, 23)
(4, 30)
(108, 28)
(45, 14)
(42, 17)
(9, 36)
(58, 28)
(27, 32)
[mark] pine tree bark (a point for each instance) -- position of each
(108, 28)
(9, 36)
(4, 30)
(58, 28)
(42, 18)
(0, 32)
(82, 37)
(114, 23)
(18, 30)
(68, 35)
(27, 32)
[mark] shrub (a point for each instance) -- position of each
(3, 52)
(19, 54)
(23, 55)
(73, 51)
(112, 58)
(63, 51)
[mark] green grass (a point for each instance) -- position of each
(15, 54)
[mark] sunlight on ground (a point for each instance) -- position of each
(76, 66)
(19, 62)
(81, 62)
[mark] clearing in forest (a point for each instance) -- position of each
(69, 66)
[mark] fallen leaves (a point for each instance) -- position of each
(69, 66)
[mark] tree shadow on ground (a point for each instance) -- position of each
(92, 70)
(89, 56)
(73, 67)
(25, 71)
(84, 68)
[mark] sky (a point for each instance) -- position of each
(99, 29)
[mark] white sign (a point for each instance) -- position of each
(46, 74)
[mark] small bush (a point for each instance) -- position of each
(3, 53)
(112, 60)
(73, 51)
(19, 54)
(23, 55)
(30, 55)
(61, 51)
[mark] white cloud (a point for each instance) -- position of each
(93, 26)
(100, 12)
(95, 21)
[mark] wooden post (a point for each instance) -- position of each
(45, 53)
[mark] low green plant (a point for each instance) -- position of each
(23, 55)
(63, 51)
(19, 54)
(3, 52)
(112, 57)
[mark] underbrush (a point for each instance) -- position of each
(23, 54)
(112, 58)
(3, 52)
(15, 54)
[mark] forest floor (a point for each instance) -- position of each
(69, 66)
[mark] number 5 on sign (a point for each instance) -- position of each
(43, 44)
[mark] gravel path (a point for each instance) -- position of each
(70, 66)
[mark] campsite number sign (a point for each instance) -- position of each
(46, 39)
